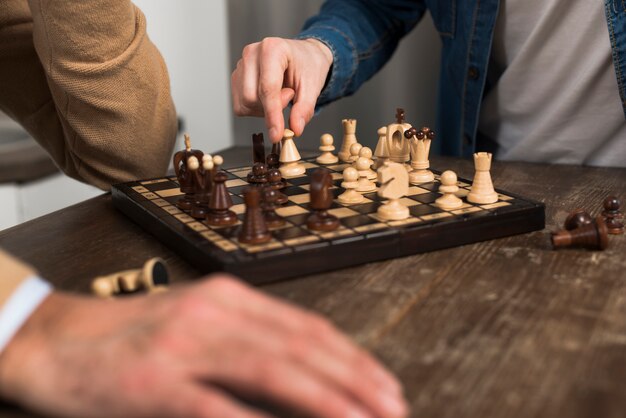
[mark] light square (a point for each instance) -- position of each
(336, 234)
(172, 210)
(338, 167)
(272, 245)
(342, 212)
(155, 181)
(150, 196)
(370, 227)
(239, 209)
(160, 202)
(141, 189)
(300, 198)
(235, 183)
(416, 190)
(301, 240)
(169, 192)
(226, 245)
(291, 211)
(184, 218)
(409, 202)
(197, 226)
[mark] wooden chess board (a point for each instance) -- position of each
(297, 251)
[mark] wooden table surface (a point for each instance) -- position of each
(505, 328)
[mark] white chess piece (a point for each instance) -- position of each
(381, 153)
(482, 191)
(349, 138)
(366, 152)
(354, 152)
(350, 183)
(448, 188)
(365, 185)
(394, 185)
(420, 148)
(290, 157)
(327, 148)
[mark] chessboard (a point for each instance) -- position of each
(296, 251)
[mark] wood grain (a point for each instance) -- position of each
(507, 327)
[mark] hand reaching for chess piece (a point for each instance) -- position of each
(170, 354)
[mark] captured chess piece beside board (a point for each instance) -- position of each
(153, 277)
(284, 216)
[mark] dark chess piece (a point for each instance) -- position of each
(258, 148)
(254, 229)
(273, 161)
(592, 236)
(204, 184)
(400, 116)
(186, 178)
(613, 216)
(258, 176)
(277, 183)
(270, 204)
(276, 148)
(220, 203)
(576, 219)
(321, 201)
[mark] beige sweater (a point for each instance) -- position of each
(85, 81)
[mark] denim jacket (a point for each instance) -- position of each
(363, 34)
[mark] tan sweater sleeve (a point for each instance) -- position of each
(12, 273)
(85, 80)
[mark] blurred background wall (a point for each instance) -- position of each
(402, 82)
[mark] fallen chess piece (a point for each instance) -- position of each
(153, 277)
(613, 216)
(578, 218)
(593, 236)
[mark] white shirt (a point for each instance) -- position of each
(555, 97)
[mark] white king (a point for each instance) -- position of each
(482, 191)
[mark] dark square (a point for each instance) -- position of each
(374, 197)
(357, 220)
(433, 187)
(337, 192)
(290, 233)
(166, 185)
(422, 210)
(366, 208)
(173, 199)
(228, 232)
(237, 190)
(337, 183)
(299, 181)
(308, 207)
(298, 219)
(294, 190)
(236, 200)
(426, 197)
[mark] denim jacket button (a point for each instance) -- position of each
(473, 73)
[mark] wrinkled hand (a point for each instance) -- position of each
(275, 71)
(168, 355)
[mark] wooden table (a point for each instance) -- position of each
(505, 328)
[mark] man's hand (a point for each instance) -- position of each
(275, 71)
(171, 355)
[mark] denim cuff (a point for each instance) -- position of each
(345, 60)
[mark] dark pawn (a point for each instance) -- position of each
(272, 219)
(254, 229)
(321, 201)
(258, 176)
(576, 219)
(593, 236)
(276, 183)
(273, 161)
(220, 203)
(613, 216)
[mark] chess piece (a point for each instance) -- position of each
(258, 175)
(482, 191)
(152, 277)
(396, 143)
(290, 157)
(576, 219)
(327, 148)
(394, 185)
(366, 153)
(448, 188)
(420, 148)
(258, 148)
(276, 148)
(220, 202)
(350, 183)
(349, 138)
(354, 152)
(276, 182)
(365, 185)
(254, 229)
(381, 153)
(321, 201)
(272, 161)
(592, 236)
(613, 216)
(186, 179)
(204, 184)
(270, 204)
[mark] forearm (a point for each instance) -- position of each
(362, 36)
(108, 115)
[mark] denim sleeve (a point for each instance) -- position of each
(362, 35)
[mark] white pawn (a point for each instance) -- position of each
(354, 152)
(381, 153)
(482, 191)
(290, 157)
(366, 152)
(365, 184)
(327, 148)
(448, 188)
(350, 183)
